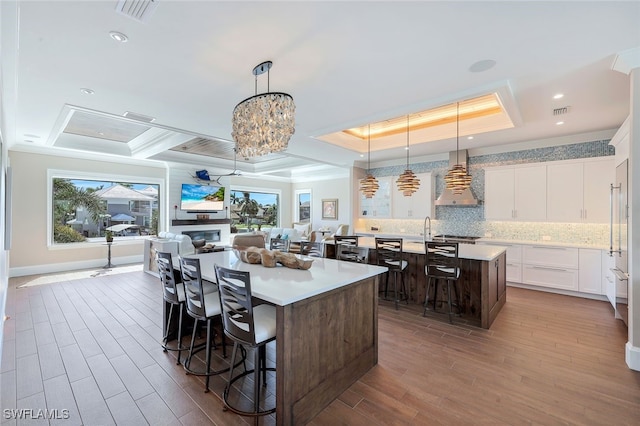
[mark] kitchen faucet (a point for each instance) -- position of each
(424, 230)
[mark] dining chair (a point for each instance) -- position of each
(389, 253)
(173, 294)
(312, 249)
(203, 307)
(248, 325)
(442, 263)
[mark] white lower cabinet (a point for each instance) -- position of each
(575, 269)
(550, 266)
(590, 279)
(514, 260)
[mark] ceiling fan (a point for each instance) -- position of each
(204, 176)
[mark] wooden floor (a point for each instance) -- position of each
(82, 345)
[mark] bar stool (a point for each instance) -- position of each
(442, 264)
(247, 325)
(201, 306)
(173, 294)
(351, 253)
(312, 249)
(389, 254)
(281, 244)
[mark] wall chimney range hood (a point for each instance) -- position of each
(448, 198)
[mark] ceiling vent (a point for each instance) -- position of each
(140, 10)
(138, 117)
(561, 111)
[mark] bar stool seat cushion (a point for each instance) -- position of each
(212, 304)
(180, 291)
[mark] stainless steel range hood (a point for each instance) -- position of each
(448, 198)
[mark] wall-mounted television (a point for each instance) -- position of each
(201, 198)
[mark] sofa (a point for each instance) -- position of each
(185, 246)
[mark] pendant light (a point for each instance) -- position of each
(407, 182)
(457, 178)
(265, 122)
(369, 185)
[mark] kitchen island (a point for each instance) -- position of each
(482, 287)
(327, 327)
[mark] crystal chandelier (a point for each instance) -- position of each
(457, 178)
(369, 185)
(263, 123)
(407, 182)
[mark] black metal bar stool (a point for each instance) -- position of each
(247, 325)
(442, 264)
(389, 254)
(201, 306)
(173, 294)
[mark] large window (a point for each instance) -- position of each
(85, 209)
(251, 210)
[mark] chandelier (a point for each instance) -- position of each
(457, 178)
(263, 123)
(407, 182)
(369, 185)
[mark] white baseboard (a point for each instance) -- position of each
(71, 266)
(632, 356)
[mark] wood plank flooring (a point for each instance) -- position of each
(90, 346)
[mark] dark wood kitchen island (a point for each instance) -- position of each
(482, 287)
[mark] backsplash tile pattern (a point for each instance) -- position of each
(470, 220)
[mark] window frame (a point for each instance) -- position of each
(73, 174)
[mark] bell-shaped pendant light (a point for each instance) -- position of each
(369, 185)
(457, 178)
(407, 182)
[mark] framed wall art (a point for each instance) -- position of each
(330, 209)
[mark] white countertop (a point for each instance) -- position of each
(283, 286)
(499, 241)
(465, 251)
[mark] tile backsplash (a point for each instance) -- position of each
(470, 220)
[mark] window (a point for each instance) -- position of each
(86, 209)
(303, 206)
(250, 210)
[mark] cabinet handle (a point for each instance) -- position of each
(550, 268)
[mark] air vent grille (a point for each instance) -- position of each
(140, 10)
(561, 111)
(139, 117)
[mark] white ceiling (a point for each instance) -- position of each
(346, 63)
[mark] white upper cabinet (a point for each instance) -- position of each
(579, 191)
(419, 204)
(379, 205)
(516, 193)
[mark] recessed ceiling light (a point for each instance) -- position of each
(559, 123)
(361, 155)
(32, 136)
(558, 96)
(117, 36)
(481, 66)
(470, 137)
(87, 91)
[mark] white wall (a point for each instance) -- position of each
(30, 252)
(337, 188)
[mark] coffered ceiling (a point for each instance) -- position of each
(168, 92)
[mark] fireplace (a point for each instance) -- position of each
(211, 236)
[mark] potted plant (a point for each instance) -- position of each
(108, 235)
